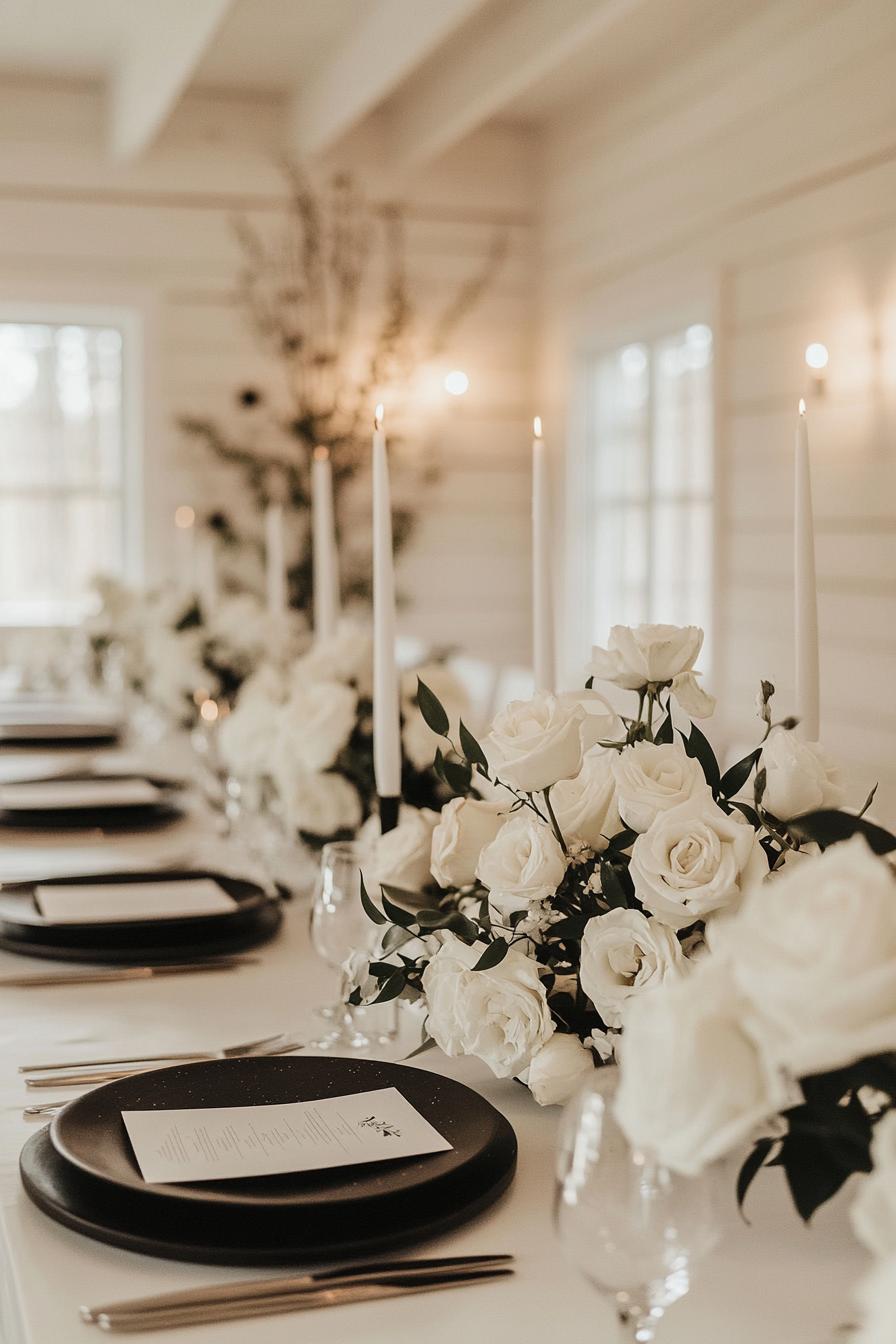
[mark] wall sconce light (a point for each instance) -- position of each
(456, 382)
(817, 363)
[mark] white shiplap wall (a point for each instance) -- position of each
(157, 235)
(754, 185)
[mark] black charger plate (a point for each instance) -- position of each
(83, 1173)
(256, 918)
(130, 817)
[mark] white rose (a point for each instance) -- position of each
(316, 723)
(465, 827)
(691, 696)
(874, 1208)
(694, 1085)
(534, 743)
(814, 952)
(557, 1069)
(693, 860)
(501, 1016)
(321, 804)
(345, 656)
(585, 805)
(418, 739)
(623, 954)
(247, 736)
(524, 863)
(653, 777)
(401, 857)
(877, 1299)
(799, 776)
(641, 655)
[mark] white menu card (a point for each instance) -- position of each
(225, 1142)
(113, 902)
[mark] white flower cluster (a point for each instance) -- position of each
(874, 1222)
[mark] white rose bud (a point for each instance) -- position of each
(814, 953)
(401, 857)
(524, 863)
(585, 806)
(465, 827)
(874, 1208)
(654, 777)
(623, 954)
(641, 655)
(694, 1085)
(501, 1016)
(693, 860)
(799, 776)
(557, 1070)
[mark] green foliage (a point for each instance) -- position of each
(432, 709)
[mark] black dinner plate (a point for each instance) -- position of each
(126, 817)
(83, 1173)
(255, 920)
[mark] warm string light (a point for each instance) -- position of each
(184, 516)
(208, 711)
(817, 356)
(456, 382)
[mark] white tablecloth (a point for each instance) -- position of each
(771, 1283)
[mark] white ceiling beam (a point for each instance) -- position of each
(165, 42)
(511, 49)
(382, 51)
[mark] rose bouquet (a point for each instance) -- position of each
(583, 862)
(303, 734)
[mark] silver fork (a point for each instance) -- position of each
(225, 1053)
(50, 1108)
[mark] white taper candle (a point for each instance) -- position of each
(386, 724)
(805, 590)
(325, 553)
(542, 568)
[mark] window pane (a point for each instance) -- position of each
(61, 466)
(620, 423)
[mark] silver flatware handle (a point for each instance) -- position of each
(98, 1076)
(123, 973)
(246, 1309)
(249, 1289)
(61, 1066)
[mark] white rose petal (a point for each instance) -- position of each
(652, 778)
(316, 723)
(814, 953)
(585, 805)
(401, 857)
(641, 655)
(799, 776)
(345, 656)
(694, 1085)
(465, 827)
(524, 863)
(557, 1070)
(874, 1208)
(692, 697)
(877, 1299)
(501, 1016)
(693, 860)
(624, 954)
(322, 804)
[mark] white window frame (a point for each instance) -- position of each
(129, 320)
(642, 309)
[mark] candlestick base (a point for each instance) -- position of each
(388, 808)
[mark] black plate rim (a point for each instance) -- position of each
(411, 1233)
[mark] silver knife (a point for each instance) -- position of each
(122, 973)
(379, 1271)
(285, 1302)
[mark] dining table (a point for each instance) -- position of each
(772, 1281)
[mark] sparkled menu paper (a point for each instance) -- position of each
(226, 1142)
(113, 902)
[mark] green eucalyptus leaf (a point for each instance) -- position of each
(457, 775)
(665, 731)
(751, 1168)
(471, 748)
(370, 910)
(493, 954)
(392, 987)
(434, 715)
(396, 913)
(699, 748)
(829, 826)
(736, 777)
(611, 888)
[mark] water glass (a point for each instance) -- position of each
(631, 1226)
(339, 927)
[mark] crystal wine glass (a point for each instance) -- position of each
(634, 1228)
(339, 927)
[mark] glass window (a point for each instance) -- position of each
(62, 496)
(650, 455)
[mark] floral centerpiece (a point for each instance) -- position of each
(591, 860)
(305, 733)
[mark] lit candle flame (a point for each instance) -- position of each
(802, 407)
(378, 415)
(208, 711)
(536, 425)
(321, 453)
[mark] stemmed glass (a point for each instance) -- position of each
(339, 927)
(634, 1228)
